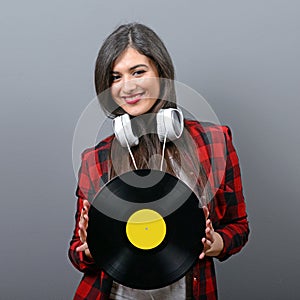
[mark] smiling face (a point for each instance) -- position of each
(135, 86)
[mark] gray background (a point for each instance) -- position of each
(242, 56)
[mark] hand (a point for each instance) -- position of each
(212, 242)
(83, 225)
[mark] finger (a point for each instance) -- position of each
(87, 252)
(82, 240)
(84, 211)
(84, 215)
(82, 229)
(84, 219)
(83, 247)
(82, 235)
(81, 219)
(82, 226)
(206, 244)
(209, 223)
(210, 235)
(86, 204)
(206, 212)
(209, 231)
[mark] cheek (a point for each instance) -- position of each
(114, 93)
(157, 89)
(154, 88)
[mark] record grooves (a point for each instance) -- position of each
(169, 259)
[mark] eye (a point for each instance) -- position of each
(115, 77)
(138, 72)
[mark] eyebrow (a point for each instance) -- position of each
(134, 67)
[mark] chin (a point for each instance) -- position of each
(135, 113)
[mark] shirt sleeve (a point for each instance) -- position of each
(229, 209)
(84, 191)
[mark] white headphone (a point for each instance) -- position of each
(169, 126)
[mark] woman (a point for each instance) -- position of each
(134, 77)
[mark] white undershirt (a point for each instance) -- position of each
(175, 291)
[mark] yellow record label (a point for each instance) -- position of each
(146, 229)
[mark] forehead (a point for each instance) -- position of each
(129, 58)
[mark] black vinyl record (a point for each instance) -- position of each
(110, 232)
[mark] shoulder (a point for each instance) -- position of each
(100, 150)
(207, 130)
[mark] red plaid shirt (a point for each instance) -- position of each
(228, 211)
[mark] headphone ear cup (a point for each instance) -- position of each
(123, 131)
(170, 122)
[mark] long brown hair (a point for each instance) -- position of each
(181, 157)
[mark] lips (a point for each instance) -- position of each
(132, 99)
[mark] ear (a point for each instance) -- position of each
(206, 212)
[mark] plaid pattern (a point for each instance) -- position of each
(227, 208)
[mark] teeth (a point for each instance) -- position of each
(132, 98)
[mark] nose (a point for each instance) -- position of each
(129, 86)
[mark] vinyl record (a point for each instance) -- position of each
(151, 236)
